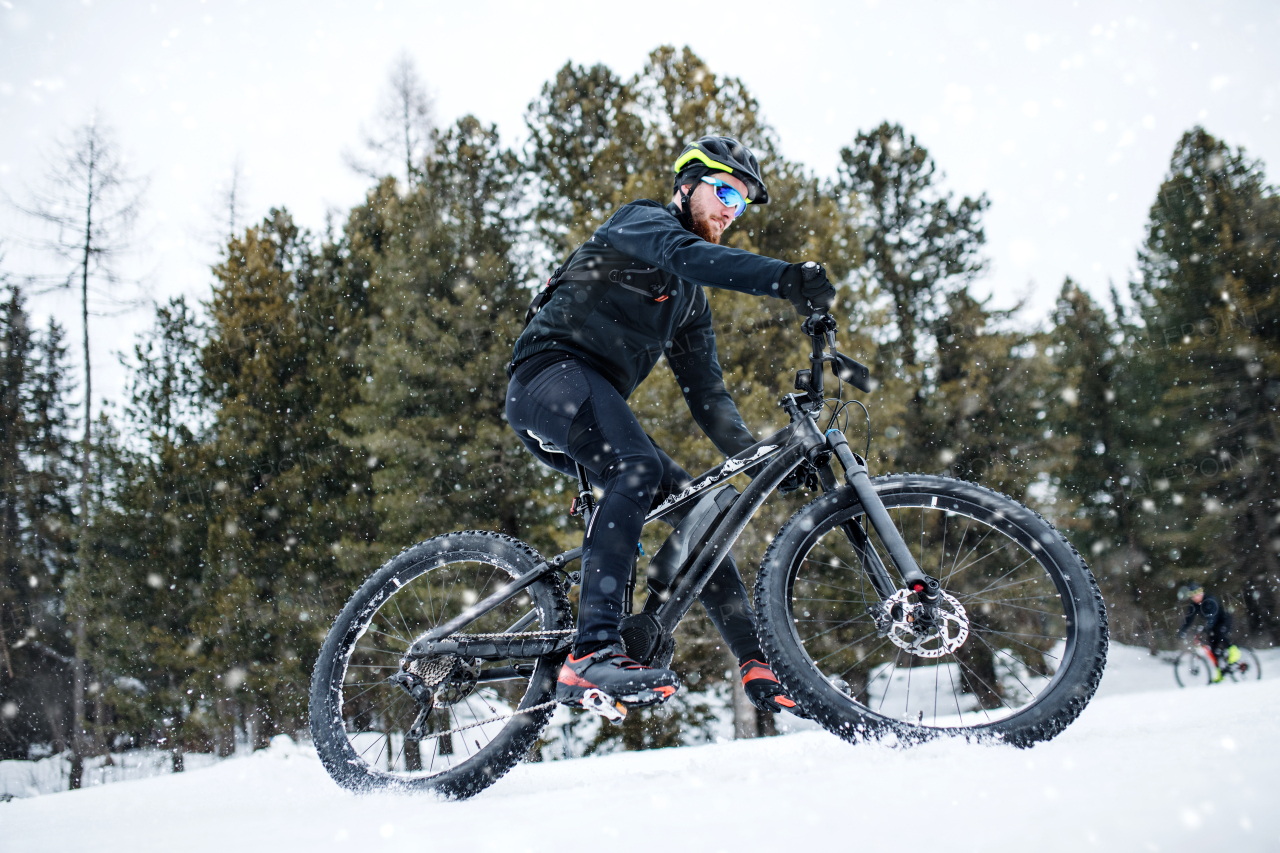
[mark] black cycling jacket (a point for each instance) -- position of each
(622, 331)
(1209, 609)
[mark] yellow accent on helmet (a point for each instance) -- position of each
(695, 154)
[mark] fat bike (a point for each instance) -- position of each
(902, 606)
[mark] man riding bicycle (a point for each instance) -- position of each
(629, 295)
(1217, 625)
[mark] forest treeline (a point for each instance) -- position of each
(337, 398)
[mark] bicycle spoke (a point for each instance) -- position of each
(833, 627)
(963, 534)
(988, 587)
(1003, 574)
(848, 645)
(975, 625)
(999, 550)
(889, 679)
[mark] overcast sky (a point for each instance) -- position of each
(1065, 114)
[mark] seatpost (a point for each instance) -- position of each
(586, 502)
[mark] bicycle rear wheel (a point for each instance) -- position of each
(1192, 669)
(1034, 638)
(478, 729)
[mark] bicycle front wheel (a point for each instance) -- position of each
(1025, 636)
(1192, 669)
(485, 715)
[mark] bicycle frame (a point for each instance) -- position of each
(802, 442)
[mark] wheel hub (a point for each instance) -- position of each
(909, 630)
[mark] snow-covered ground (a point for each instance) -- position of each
(1146, 767)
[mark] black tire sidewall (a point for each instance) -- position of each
(516, 738)
(1073, 684)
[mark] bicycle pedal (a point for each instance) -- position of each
(599, 702)
(652, 696)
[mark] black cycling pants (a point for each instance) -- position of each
(570, 412)
(1219, 636)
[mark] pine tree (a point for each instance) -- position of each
(1095, 406)
(446, 302)
(980, 399)
(288, 494)
(1208, 299)
(147, 590)
(15, 559)
(921, 249)
(36, 525)
(598, 142)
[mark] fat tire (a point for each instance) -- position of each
(521, 732)
(1073, 686)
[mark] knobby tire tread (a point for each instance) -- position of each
(1071, 699)
(521, 732)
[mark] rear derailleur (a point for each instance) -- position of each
(441, 679)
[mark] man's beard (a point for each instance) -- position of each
(702, 227)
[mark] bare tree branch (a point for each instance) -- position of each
(403, 124)
(90, 203)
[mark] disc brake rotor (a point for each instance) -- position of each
(908, 632)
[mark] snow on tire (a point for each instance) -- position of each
(1037, 628)
(476, 732)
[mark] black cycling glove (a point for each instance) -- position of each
(806, 287)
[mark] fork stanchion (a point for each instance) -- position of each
(855, 474)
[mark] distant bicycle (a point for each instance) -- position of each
(1195, 666)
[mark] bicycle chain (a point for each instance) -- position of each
(495, 719)
(531, 634)
(537, 635)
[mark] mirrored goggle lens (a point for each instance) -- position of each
(728, 196)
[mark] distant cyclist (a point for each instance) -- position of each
(1217, 624)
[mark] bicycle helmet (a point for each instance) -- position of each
(721, 154)
(1189, 589)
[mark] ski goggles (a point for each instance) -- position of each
(728, 196)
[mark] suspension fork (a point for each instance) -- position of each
(855, 474)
